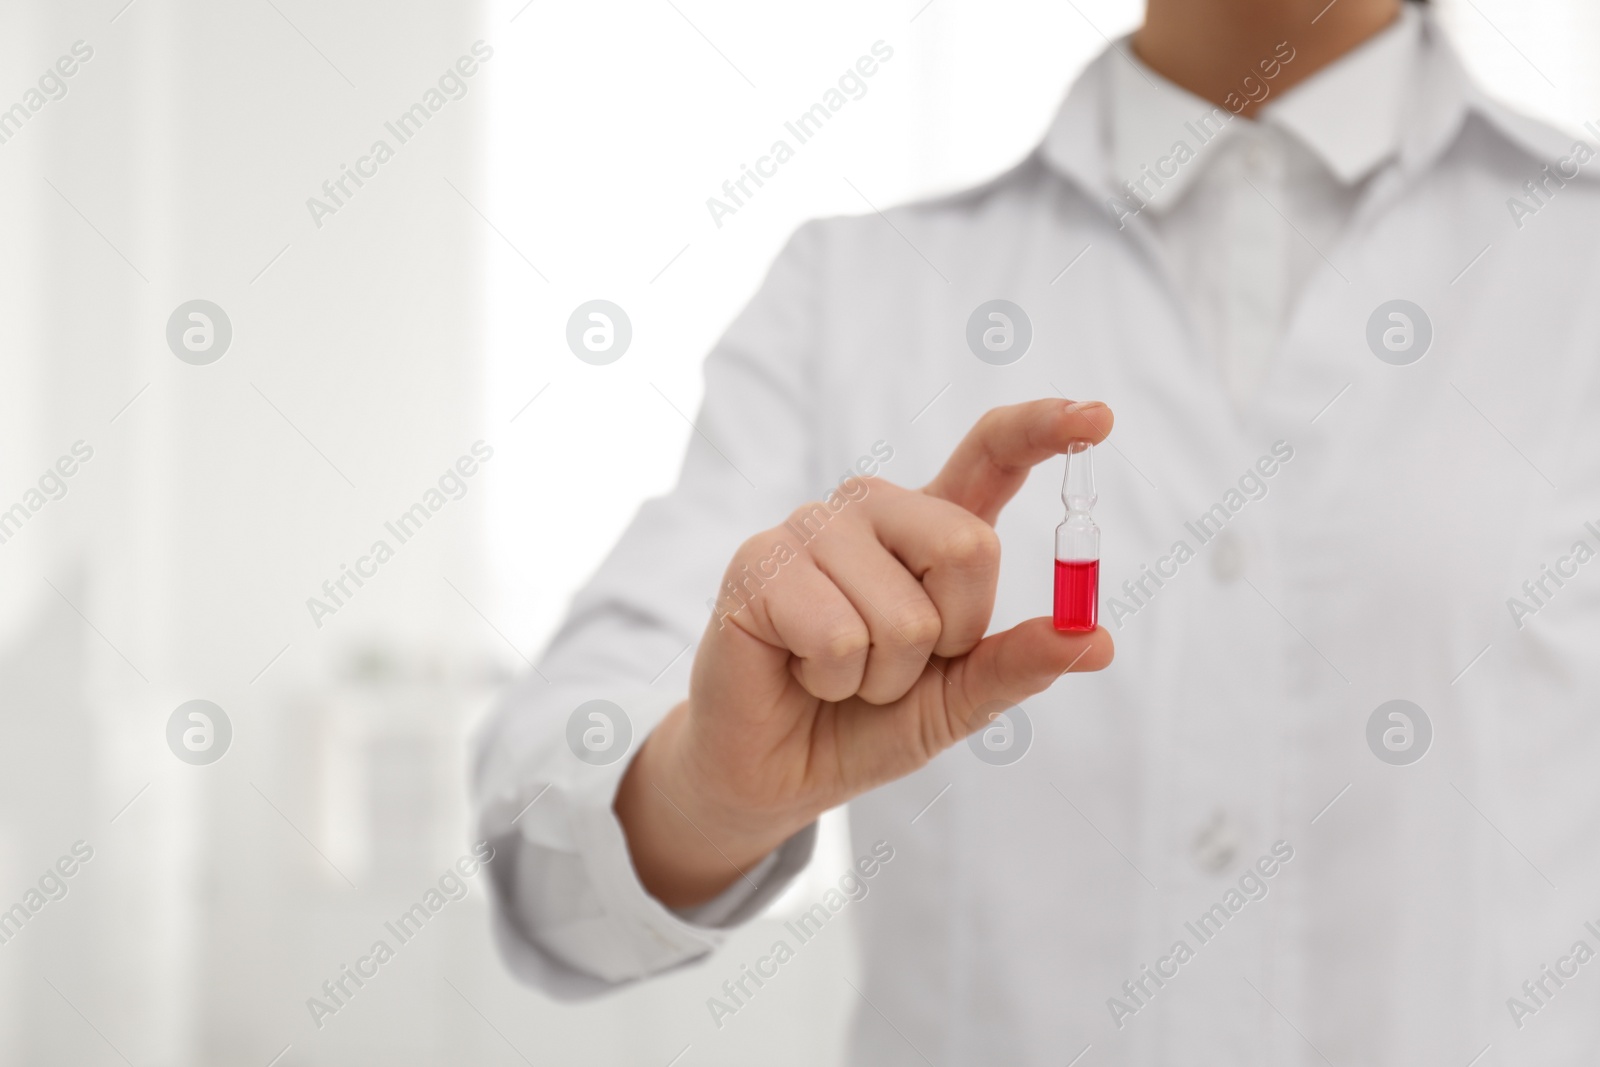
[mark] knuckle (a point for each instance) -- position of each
(764, 553)
(742, 555)
(971, 546)
(809, 518)
(806, 509)
(843, 642)
(752, 548)
(918, 623)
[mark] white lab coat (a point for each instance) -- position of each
(1406, 506)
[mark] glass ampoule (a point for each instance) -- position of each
(1077, 605)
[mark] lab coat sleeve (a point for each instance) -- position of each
(571, 915)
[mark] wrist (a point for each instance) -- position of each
(688, 837)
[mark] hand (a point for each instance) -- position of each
(858, 662)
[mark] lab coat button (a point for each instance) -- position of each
(1215, 844)
(1227, 557)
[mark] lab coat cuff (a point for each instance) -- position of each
(574, 918)
(664, 935)
(750, 895)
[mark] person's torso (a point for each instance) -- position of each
(1271, 577)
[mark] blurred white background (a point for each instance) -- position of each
(368, 353)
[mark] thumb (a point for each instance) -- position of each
(1008, 667)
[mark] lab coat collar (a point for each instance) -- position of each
(1427, 117)
(1350, 113)
(1147, 117)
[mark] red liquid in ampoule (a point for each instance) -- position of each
(1077, 594)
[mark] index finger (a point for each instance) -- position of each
(993, 460)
